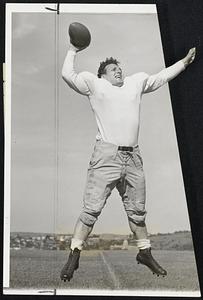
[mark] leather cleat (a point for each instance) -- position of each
(71, 265)
(145, 257)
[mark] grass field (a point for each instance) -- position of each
(109, 269)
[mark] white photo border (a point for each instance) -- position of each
(64, 8)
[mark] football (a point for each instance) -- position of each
(79, 35)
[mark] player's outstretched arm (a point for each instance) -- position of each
(80, 82)
(155, 81)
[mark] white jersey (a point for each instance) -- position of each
(116, 109)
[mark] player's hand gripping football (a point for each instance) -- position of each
(80, 36)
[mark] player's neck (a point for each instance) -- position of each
(119, 84)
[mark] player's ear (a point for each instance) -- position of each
(104, 75)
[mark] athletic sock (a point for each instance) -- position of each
(76, 243)
(143, 244)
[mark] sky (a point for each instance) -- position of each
(44, 200)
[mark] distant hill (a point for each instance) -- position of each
(29, 234)
(111, 236)
(179, 240)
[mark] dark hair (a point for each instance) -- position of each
(103, 65)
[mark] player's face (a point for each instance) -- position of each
(113, 74)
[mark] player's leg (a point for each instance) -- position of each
(97, 191)
(133, 192)
(102, 176)
(135, 210)
(82, 230)
(139, 230)
(81, 233)
(100, 183)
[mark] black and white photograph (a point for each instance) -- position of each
(94, 195)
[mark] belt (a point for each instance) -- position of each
(125, 148)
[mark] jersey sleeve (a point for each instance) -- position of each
(82, 82)
(153, 82)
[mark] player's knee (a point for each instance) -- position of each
(89, 218)
(137, 217)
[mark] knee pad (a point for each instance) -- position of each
(89, 218)
(137, 218)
